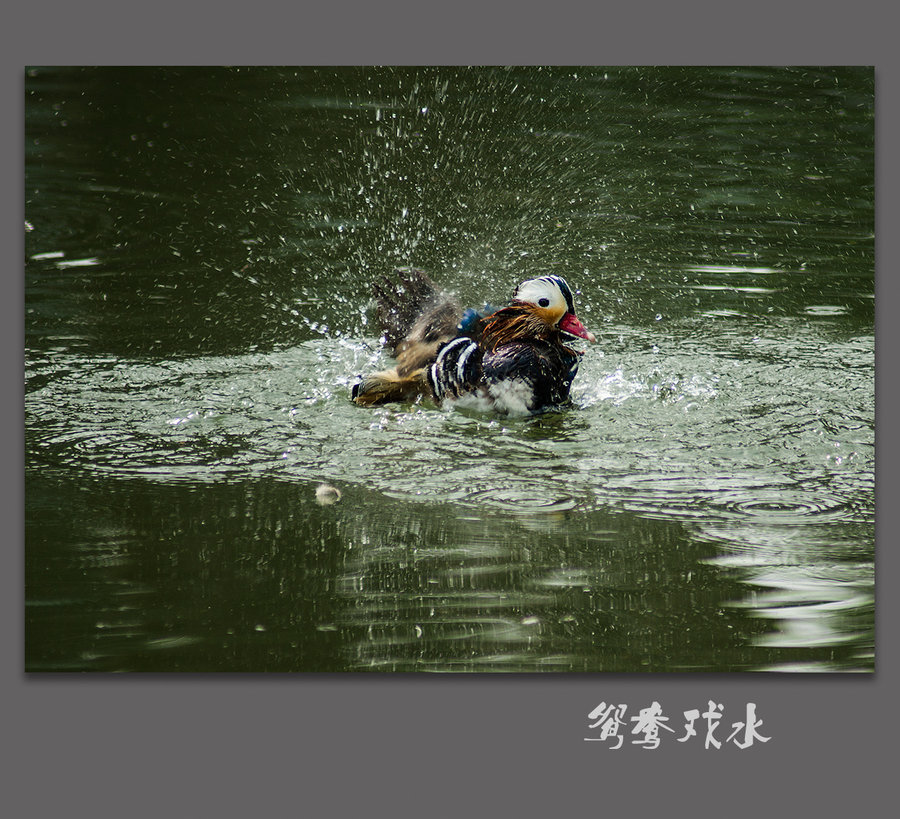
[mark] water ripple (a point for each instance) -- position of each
(695, 435)
(784, 505)
(524, 498)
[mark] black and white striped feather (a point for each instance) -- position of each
(540, 373)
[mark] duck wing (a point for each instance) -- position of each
(416, 318)
(411, 309)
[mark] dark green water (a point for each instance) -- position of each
(200, 246)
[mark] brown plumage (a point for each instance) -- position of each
(513, 324)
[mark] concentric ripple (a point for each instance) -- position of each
(524, 498)
(784, 505)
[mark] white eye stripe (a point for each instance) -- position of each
(547, 292)
(555, 288)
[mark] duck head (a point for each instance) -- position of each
(550, 299)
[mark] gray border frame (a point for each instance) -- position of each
(222, 745)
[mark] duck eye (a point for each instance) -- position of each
(544, 302)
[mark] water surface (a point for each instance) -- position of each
(200, 248)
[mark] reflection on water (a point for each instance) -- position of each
(258, 576)
(197, 310)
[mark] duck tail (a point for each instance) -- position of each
(389, 385)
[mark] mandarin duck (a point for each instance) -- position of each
(514, 359)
